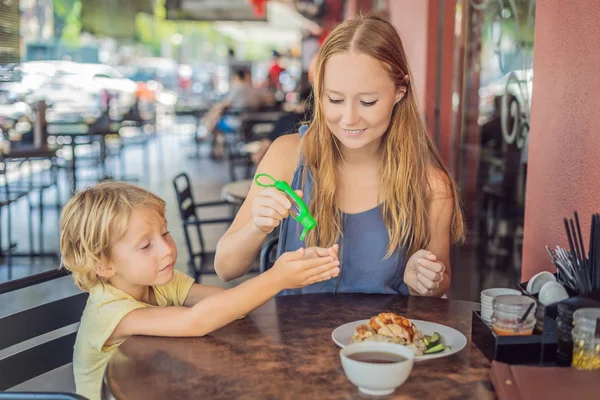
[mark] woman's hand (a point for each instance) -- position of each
(424, 273)
(269, 208)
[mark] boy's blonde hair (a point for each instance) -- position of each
(93, 220)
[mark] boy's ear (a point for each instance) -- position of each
(104, 269)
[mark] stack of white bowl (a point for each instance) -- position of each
(487, 297)
(549, 291)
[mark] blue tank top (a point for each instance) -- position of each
(363, 245)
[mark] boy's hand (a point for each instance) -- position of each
(313, 252)
(302, 267)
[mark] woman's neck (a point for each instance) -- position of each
(371, 154)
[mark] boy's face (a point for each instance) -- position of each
(146, 254)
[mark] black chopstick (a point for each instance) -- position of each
(585, 265)
(573, 257)
(580, 237)
(595, 264)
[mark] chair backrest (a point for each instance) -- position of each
(268, 254)
(40, 396)
(185, 198)
(41, 357)
(256, 126)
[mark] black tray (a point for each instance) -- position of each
(536, 349)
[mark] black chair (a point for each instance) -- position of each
(40, 396)
(253, 127)
(268, 253)
(192, 222)
(125, 139)
(8, 196)
(38, 180)
(32, 323)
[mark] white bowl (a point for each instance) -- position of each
(552, 292)
(538, 280)
(377, 379)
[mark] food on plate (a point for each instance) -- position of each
(393, 328)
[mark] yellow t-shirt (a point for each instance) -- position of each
(105, 308)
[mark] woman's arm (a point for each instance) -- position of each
(239, 246)
(428, 271)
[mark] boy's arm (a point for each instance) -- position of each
(199, 292)
(291, 270)
(206, 316)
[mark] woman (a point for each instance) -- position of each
(368, 170)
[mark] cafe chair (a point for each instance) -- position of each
(8, 196)
(268, 253)
(192, 224)
(39, 175)
(132, 136)
(28, 360)
(253, 127)
(40, 396)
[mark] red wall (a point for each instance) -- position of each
(410, 19)
(445, 69)
(564, 148)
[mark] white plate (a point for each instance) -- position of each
(448, 336)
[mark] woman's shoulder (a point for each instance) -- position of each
(440, 183)
(287, 143)
(282, 157)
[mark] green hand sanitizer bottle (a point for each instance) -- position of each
(299, 209)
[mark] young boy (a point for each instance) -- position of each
(114, 240)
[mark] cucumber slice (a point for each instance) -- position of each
(435, 338)
(435, 349)
(426, 341)
(447, 348)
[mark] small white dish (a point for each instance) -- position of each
(488, 295)
(552, 292)
(377, 379)
(537, 281)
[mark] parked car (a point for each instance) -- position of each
(16, 116)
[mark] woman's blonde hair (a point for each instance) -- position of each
(409, 155)
(93, 220)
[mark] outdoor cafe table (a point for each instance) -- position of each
(283, 350)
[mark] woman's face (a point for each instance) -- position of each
(358, 99)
